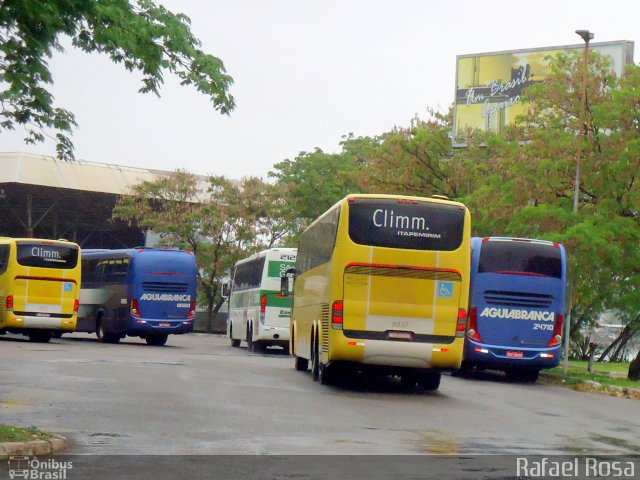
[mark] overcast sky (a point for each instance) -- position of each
(306, 73)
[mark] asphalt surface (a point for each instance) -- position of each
(199, 396)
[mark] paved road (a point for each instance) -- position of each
(197, 395)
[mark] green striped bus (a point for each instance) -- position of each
(258, 313)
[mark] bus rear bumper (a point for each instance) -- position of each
(398, 354)
(143, 327)
(26, 322)
(276, 335)
(497, 357)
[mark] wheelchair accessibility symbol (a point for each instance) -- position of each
(445, 289)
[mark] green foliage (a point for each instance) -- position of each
(417, 160)
(141, 35)
(17, 434)
(314, 181)
(219, 220)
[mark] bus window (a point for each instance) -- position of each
(415, 226)
(4, 258)
(524, 257)
(47, 255)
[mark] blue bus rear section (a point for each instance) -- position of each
(142, 292)
(517, 306)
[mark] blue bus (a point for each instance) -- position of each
(517, 306)
(139, 292)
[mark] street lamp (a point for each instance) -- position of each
(586, 36)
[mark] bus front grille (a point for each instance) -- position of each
(165, 287)
(517, 299)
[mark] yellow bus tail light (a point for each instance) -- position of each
(461, 326)
(337, 315)
(76, 305)
(9, 303)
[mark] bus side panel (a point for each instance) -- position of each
(94, 300)
(243, 309)
(237, 317)
(310, 292)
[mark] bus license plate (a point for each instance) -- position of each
(515, 354)
(400, 335)
(165, 324)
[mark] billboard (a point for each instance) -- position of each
(489, 85)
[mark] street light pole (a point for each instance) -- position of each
(586, 36)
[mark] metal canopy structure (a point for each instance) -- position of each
(44, 197)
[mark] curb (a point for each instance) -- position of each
(34, 447)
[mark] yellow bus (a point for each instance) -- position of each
(381, 284)
(39, 287)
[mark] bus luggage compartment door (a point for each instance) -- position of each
(400, 303)
(44, 300)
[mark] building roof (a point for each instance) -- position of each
(49, 198)
(31, 169)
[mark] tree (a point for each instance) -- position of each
(219, 220)
(417, 160)
(528, 185)
(141, 35)
(193, 214)
(313, 182)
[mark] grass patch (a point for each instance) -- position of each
(608, 375)
(599, 367)
(17, 434)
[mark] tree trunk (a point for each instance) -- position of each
(613, 344)
(209, 315)
(592, 353)
(634, 368)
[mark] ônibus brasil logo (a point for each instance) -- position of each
(33, 469)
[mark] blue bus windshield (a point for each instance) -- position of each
(521, 257)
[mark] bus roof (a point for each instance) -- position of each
(129, 252)
(30, 239)
(264, 253)
(514, 239)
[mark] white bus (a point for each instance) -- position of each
(258, 313)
